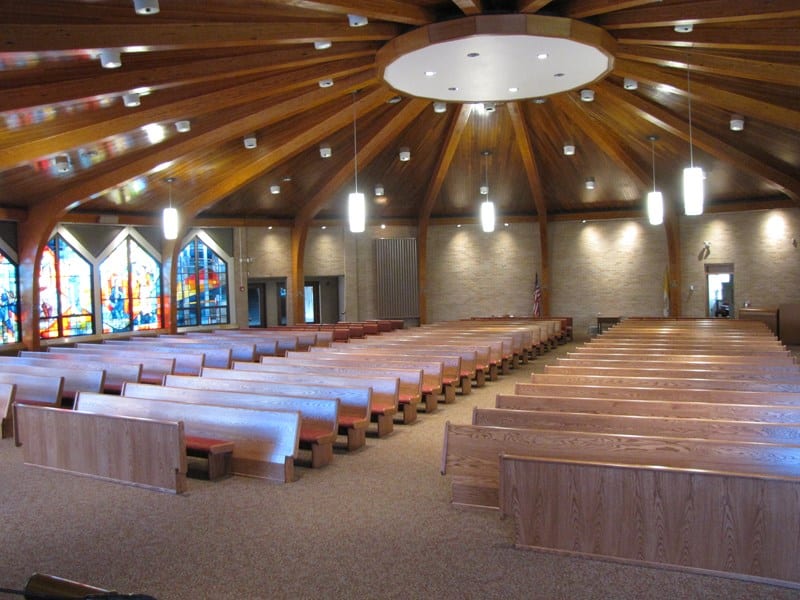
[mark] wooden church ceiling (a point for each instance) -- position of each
(240, 68)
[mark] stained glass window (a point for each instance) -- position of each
(130, 289)
(65, 291)
(202, 294)
(9, 305)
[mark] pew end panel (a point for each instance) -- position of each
(142, 452)
(7, 391)
(701, 521)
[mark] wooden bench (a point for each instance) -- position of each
(187, 361)
(263, 346)
(145, 452)
(709, 427)
(265, 442)
(87, 379)
(154, 367)
(656, 356)
(117, 372)
(7, 391)
(284, 342)
(318, 416)
(727, 521)
(219, 355)
(31, 389)
(688, 363)
(693, 381)
(409, 380)
(434, 371)
(355, 402)
(385, 390)
(240, 349)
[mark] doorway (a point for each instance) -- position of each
(719, 279)
(266, 302)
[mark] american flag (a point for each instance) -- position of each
(537, 298)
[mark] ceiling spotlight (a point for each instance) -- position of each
(405, 154)
(110, 58)
(489, 107)
(569, 149)
(322, 44)
(183, 126)
(394, 100)
(587, 95)
(439, 107)
(737, 123)
(131, 99)
(379, 191)
(63, 163)
(357, 20)
(145, 7)
(630, 84)
(687, 28)
(539, 100)
(484, 190)
(325, 83)
(325, 151)
(250, 142)
(274, 190)
(590, 183)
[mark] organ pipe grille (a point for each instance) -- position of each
(398, 296)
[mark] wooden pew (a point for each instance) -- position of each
(31, 389)
(728, 375)
(154, 367)
(240, 349)
(726, 521)
(266, 441)
(355, 399)
(433, 370)
(7, 391)
(409, 380)
(711, 428)
(187, 362)
(74, 380)
(214, 355)
(263, 346)
(284, 342)
(385, 389)
(117, 372)
(785, 359)
(318, 416)
(470, 455)
(688, 362)
(667, 382)
(146, 452)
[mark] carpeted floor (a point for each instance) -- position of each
(375, 524)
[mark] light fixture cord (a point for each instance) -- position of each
(653, 151)
(355, 143)
(486, 166)
(170, 191)
(689, 94)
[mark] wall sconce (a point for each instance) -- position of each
(110, 58)
(405, 154)
(325, 151)
(705, 251)
(250, 142)
(145, 7)
(569, 149)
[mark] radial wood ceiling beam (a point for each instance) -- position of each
(581, 9)
(452, 139)
(771, 39)
(24, 37)
(708, 143)
(382, 10)
(469, 7)
(699, 13)
(42, 140)
(605, 137)
(366, 154)
(769, 112)
(531, 6)
(725, 66)
(525, 145)
(114, 172)
(117, 81)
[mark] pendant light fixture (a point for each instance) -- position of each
(170, 216)
(692, 176)
(356, 205)
(655, 201)
(487, 206)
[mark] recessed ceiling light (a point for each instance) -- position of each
(286, 178)
(430, 73)
(558, 74)
(324, 227)
(687, 28)
(357, 20)
(326, 83)
(394, 100)
(322, 44)
(459, 225)
(513, 90)
(542, 56)
(630, 84)
(452, 89)
(539, 100)
(473, 55)
(145, 7)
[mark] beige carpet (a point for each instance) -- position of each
(375, 524)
